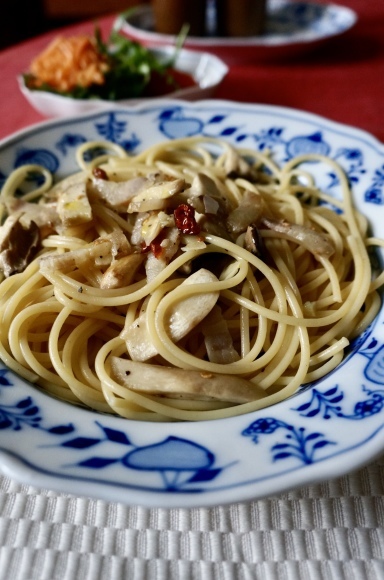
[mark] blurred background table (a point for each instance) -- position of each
(342, 79)
(332, 530)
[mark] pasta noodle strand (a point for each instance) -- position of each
(285, 282)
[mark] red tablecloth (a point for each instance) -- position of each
(342, 80)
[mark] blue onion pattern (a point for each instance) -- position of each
(38, 157)
(374, 193)
(113, 129)
(328, 404)
(69, 141)
(174, 124)
(288, 18)
(179, 462)
(307, 144)
(297, 443)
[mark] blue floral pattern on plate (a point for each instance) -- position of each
(296, 18)
(311, 436)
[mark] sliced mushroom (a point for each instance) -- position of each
(204, 185)
(181, 319)
(218, 339)
(101, 252)
(253, 242)
(121, 272)
(315, 242)
(162, 252)
(18, 245)
(137, 229)
(44, 215)
(246, 213)
(156, 196)
(154, 224)
(214, 224)
(235, 165)
(187, 313)
(73, 205)
(183, 384)
(211, 205)
(117, 195)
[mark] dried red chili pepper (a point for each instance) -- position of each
(185, 219)
(99, 173)
(155, 245)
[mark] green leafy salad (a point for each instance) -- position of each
(86, 67)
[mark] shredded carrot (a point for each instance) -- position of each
(69, 62)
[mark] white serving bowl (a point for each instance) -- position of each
(207, 70)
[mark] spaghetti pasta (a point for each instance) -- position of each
(192, 281)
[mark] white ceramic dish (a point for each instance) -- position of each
(291, 27)
(206, 69)
(322, 432)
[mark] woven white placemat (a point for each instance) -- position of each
(331, 531)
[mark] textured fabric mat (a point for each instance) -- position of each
(333, 530)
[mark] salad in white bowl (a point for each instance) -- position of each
(80, 74)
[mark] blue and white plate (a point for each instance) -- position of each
(322, 432)
(290, 27)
